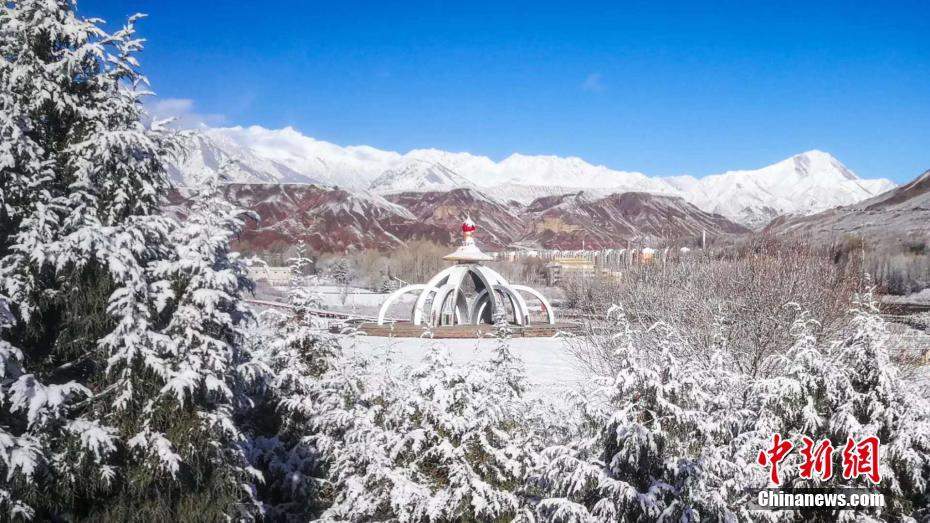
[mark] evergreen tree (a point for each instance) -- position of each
(120, 353)
(448, 446)
(301, 294)
(313, 396)
(655, 447)
(847, 388)
(80, 179)
(206, 394)
(340, 271)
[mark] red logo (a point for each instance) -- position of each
(773, 456)
(859, 458)
(817, 459)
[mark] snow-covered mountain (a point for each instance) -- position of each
(282, 156)
(896, 217)
(575, 220)
(499, 224)
(803, 184)
(336, 220)
(419, 175)
(206, 152)
(327, 219)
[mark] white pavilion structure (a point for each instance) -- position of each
(468, 293)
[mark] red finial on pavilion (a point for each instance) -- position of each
(468, 252)
(468, 229)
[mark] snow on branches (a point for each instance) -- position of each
(848, 388)
(121, 342)
(674, 438)
(655, 446)
(449, 449)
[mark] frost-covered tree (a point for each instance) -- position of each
(675, 439)
(847, 388)
(311, 401)
(301, 293)
(451, 448)
(340, 271)
(29, 410)
(206, 392)
(300, 264)
(106, 318)
(652, 445)
(81, 179)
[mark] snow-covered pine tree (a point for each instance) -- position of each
(80, 178)
(340, 271)
(82, 181)
(195, 421)
(451, 448)
(657, 443)
(313, 396)
(301, 293)
(845, 388)
(21, 453)
(300, 264)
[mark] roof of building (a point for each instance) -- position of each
(467, 253)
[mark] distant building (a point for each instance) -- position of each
(561, 268)
(274, 276)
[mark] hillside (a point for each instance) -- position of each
(901, 214)
(336, 220)
(328, 220)
(579, 220)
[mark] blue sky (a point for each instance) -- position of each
(660, 87)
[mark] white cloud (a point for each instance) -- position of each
(593, 83)
(182, 111)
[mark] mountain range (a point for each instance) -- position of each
(898, 216)
(804, 184)
(331, 219)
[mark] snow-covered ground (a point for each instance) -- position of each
(353, 300)
(550, 367)
(337, 296)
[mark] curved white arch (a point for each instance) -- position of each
(478, 306)
(484, 304)
(438, 301)
(490, 279)
(445, 289)
(394, 296)
(521, 313)
(547, 307)
(459, 302)
(441, 302)
(431, 286)
(461, 308)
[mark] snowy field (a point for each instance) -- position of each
(334, 295)
(352, 300)
(550, 367)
